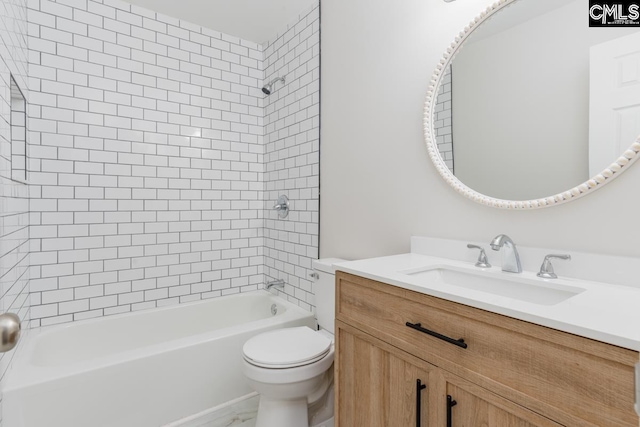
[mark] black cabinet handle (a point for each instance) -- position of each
(450, 404)
(419, 388)
(418, 327)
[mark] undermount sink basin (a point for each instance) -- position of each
(519, 288)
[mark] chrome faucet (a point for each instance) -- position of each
(278, 283)
(546, 269)
(510, 256)
(482, 262)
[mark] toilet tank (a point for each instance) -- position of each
(324, 289)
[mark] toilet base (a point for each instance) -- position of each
(290, 413)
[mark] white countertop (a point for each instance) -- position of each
(604, 312)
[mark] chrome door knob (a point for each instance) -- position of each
(9, 331)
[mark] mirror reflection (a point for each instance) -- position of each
(537, 102)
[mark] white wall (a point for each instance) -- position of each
(378, 186)
(538, 68)
(14, 195)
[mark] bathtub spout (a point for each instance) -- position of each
(279, 283)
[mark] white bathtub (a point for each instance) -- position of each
(140, 369)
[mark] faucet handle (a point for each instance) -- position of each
(482, 262)
(282, 206)
(546, 269)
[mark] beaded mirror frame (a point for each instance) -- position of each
(598, 181)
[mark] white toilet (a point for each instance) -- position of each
(292, 368)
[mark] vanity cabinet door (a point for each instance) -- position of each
(376, 386)
(467, 405)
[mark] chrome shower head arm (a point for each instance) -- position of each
(268, 88)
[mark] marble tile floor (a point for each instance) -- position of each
(241, 413)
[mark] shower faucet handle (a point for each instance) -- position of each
(282, 206)
(482, 262)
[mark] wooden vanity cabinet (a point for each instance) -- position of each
(468, 405)
(499, 371)
(379, 386)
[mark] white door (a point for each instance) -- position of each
(614, 105)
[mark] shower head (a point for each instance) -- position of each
(268, 88)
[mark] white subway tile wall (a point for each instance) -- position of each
(147, 161)
(14, 195)
(443, 124)
(292, 155)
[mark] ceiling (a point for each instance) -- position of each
(253, 20)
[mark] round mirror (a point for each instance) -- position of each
(531, 106)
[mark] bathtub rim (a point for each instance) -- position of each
(24, 374)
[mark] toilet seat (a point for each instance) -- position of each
(286, 348)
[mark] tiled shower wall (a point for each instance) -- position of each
(14, 196)
(292, 144)
(147, 138)
(146, 160)
(443, 125)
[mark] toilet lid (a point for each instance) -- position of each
(286, 348)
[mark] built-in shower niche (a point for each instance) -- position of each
(18, 133)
